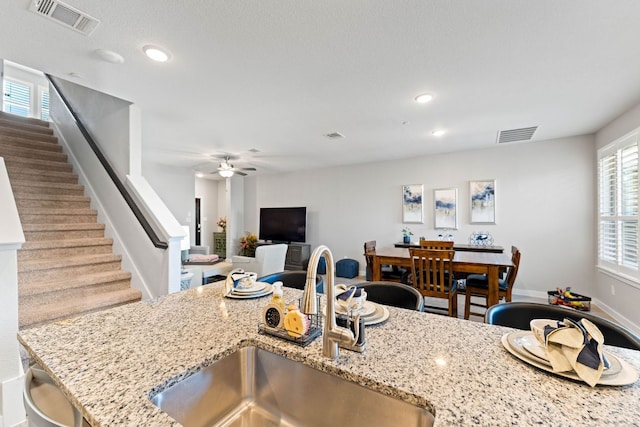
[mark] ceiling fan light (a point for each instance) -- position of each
(226, 173)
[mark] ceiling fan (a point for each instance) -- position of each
(227, 170)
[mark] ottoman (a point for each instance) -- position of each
(322, 266)
(347, 267)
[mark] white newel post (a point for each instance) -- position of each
(11, 239)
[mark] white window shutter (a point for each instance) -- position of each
(17, 98)
(618, 213)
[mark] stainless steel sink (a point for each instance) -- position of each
(254, 387)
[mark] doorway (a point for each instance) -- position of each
(198, 223)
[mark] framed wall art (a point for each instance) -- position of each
(483, 201)
(412, 209)
(446, 208)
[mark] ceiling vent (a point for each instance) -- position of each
(512, 135)
(334, 135)
(65, 15)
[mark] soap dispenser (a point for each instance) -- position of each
(277, 294)
(273, 314)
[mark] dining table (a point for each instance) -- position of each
(488, 263)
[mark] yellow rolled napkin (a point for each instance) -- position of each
(577, 346)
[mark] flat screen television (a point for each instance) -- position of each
(283, 224)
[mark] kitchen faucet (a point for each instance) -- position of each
(333, 335)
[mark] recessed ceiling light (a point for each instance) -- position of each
(156, 53)
(423, 98)
(438, 132)
(199, 174)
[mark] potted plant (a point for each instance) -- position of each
(222, 223)
(406, 235)
(248, 244)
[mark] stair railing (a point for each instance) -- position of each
(110, 171)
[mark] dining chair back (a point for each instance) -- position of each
(519, 314)
(394, 294)
(477, 285)
(431, 272)
(443, 245)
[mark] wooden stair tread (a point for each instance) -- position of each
(63, 227)
(58, 211)
(59, 185)
(35, 136)
(40, 287)
(70, 243)
(47, 313)
(27, 120)
(25, 126)
(14, 141)
(54, 263)
(52, 197)
(21, 162)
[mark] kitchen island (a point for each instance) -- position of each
(110, 363)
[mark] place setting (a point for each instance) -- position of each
(352, 301)
(570, 349)
(243, 285)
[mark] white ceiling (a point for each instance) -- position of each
(277, 75)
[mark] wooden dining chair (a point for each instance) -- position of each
(478, 286)
(442, 245)
(431, 276)
(388, 273)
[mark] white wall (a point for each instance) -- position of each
(176, 188)
(620, 298)
(152, 269)
(544, 192)
(106, 118)
(207, 191)
(11, 239)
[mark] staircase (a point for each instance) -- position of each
(66, 267)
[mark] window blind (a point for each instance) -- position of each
(618, 215)
(17, 98)
(44, 105)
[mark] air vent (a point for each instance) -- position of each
(334, 135)
(65, 15)
(512, 135)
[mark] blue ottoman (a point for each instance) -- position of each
(347, 268)
(322, 266)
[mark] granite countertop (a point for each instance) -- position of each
(110, 363)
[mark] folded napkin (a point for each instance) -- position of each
(232, 280)
(576, 346)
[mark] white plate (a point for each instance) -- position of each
(380, 315)
(257, 287)
(368, 309)
(533, 346)
(627, 374)
(268, 290)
